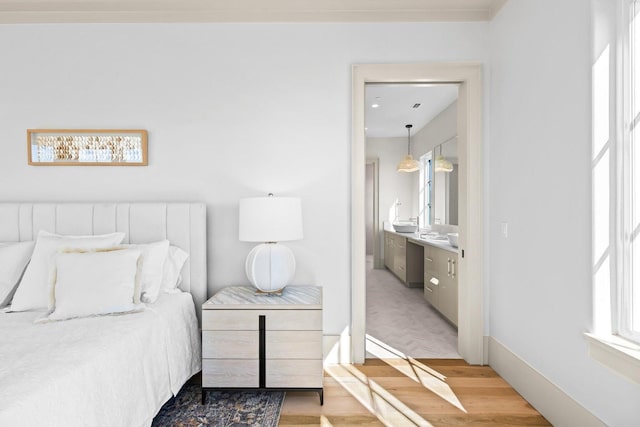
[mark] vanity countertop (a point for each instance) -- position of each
(415, 238)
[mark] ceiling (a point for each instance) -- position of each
(75, 11)
(395, 107)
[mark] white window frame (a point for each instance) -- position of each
(623, 297)
(619, 347)
(426, 189)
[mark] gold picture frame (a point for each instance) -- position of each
(87, 147)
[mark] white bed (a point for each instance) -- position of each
(111, 370)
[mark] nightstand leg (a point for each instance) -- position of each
(204, 396)
(321, 393)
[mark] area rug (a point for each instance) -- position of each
(222, 409)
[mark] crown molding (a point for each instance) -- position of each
(168, 11)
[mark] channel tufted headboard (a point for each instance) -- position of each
(183, 224)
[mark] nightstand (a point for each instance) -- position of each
(263, 342)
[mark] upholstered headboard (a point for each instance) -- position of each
(183, 224)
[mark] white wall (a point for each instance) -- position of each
(393, 186)
(539, 181)
(232, 110)
(440, 129)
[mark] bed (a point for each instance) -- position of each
(114, 370)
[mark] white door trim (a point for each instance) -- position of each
(377, 260)
(470, 274)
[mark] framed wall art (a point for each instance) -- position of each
(87, 147)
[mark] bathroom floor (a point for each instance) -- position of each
(401, 318)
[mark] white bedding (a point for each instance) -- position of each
(99, 371)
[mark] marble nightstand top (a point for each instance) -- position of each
(244, 297)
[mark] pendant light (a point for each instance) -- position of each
(408, 164)
(442, 164)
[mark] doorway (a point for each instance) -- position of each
(470, 271)
(420, 119)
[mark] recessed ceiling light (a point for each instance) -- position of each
(374, 105)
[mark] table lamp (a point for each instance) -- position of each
(270, 266)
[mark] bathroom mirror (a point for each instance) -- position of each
(445, 185)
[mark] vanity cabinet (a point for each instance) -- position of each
(403, 258)
(400, 257)
(388, 250)
(395, 254)
(441, 281)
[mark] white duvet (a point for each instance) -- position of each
(100, 371)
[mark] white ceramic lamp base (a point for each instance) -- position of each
(270, 266)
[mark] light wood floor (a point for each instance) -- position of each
(401, 392)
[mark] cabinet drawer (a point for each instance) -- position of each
(230, 373)
(429, 262)
(430, 293)
(294, 373)
(247, 320)
(293, 344)
(230, 344)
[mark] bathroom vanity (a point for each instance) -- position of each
(419, 262)
(403, 258)
(441, 281)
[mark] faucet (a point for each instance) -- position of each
(395, 219)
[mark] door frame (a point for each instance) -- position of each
(377, 261)
(471, 279)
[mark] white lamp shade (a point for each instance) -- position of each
(270, 219)
(408, 164)
(443, 165)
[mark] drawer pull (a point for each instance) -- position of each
(428, 289)
(428, 259)
(453, 268)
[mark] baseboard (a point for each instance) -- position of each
(336, 349)
(485, 350)
(553, 403)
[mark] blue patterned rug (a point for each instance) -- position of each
(222, 409)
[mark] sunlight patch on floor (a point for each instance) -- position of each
(384, 405)
(324, 422)
(411, 368)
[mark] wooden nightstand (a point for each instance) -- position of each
(263, 342)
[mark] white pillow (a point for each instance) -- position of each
(13, 259)
(32, 293)
(154, 256)
(171, 277)
(93, 283)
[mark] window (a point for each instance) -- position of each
(426, 186)
(615, 337)
(627, 304)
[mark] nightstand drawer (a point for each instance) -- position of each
(230, 344)
(247, 320)
(230, 373)
(294, 320)
(294, 373)
(293, 344)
